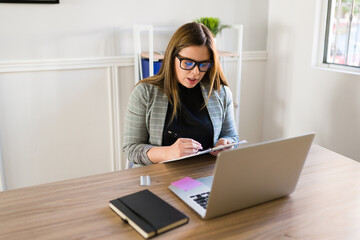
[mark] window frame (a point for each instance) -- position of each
(319, 47)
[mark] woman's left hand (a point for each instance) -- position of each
(221, 141)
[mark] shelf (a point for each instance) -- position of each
(159, 55)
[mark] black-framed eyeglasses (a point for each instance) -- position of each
(189, 64)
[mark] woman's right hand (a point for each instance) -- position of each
(183, 147)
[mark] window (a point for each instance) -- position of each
(342, 36)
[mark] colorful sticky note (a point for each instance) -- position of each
(186, 183)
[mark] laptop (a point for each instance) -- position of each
(246, 176)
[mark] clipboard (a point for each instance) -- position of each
(209, 150)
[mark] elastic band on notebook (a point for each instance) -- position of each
(140, 216)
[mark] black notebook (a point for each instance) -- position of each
(147, 213)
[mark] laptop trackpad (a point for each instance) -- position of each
(207, 181)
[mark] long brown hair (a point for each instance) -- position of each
(189, 34)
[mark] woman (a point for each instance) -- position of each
(184, 108)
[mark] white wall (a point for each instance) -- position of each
(65, 79)
(91, 28)
(301, 98)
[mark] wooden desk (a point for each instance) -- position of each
(325, 205)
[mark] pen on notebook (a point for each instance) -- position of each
(175, 135)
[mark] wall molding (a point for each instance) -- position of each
(255, 56)
(89, 63)
(111, 64)
(65, 64)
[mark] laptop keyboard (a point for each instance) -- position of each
(201, 199)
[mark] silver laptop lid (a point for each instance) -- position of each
(257, 173)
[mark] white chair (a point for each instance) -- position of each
(128, 164)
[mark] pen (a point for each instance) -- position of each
(175, 135)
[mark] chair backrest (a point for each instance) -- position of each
(128, 164)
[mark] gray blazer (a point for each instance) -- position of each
(146, 113)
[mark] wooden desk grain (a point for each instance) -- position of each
(325, 205)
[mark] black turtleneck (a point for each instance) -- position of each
(191, 121)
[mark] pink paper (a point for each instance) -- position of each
(186, 183)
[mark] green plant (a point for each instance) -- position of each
(213, 24)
